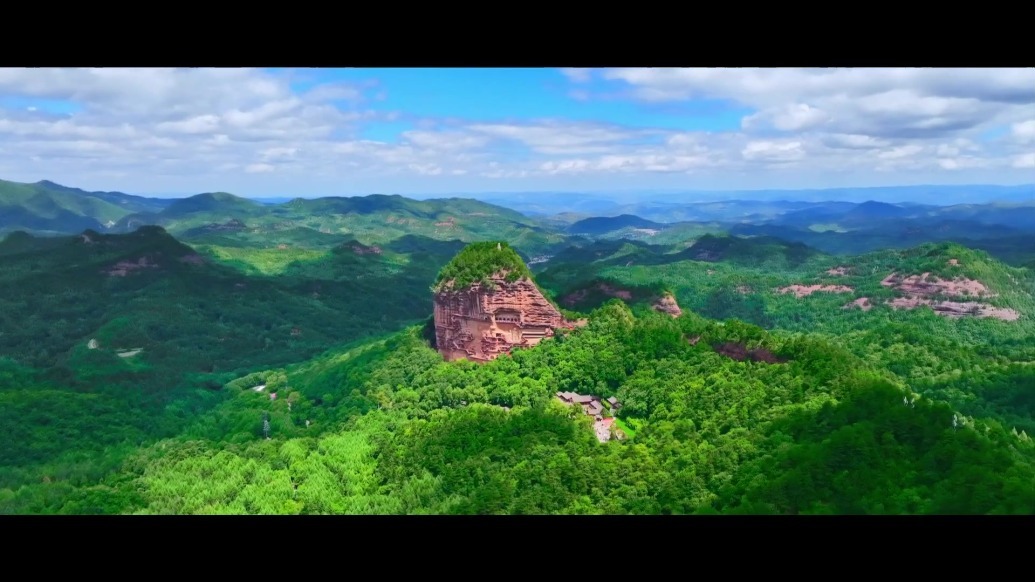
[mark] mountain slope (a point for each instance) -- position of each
(818, 431)
(46, 207)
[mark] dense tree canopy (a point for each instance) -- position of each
(752, 401)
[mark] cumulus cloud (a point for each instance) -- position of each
(910, 103)
(199, 126)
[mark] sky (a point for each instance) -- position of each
(322, 132)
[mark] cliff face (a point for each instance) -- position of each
(480, 323)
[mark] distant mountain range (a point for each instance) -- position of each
(644, 202)
(834, 224)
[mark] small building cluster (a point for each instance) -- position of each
(594, 406)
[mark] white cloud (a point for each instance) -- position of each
(769, 87)
(198, 124)
(445, 140)
(426, 169)
(900, 152)
(1024, 131)
(854, 141)
(577, 75)
(279, 153)
(207, 127)
(890, 103)
(560, 138)
(771, 151)
(1024, 161)
(793, 117)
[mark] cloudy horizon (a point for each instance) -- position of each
(424, 132)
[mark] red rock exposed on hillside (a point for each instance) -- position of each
(926, 286)
(862, 303)
(667, 304)
(919, 291)
(806, 290)
(838, 271)
(955, 309)
(481, 323)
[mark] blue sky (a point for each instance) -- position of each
(514, 95)
(316, 132)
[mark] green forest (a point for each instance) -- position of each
(205, 367)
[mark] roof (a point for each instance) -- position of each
(613, 400)
(584, 399)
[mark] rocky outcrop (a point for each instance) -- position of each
(862, 303)
(927, 286)
(920, 291)
(837, 271)
(806, 290)
(955, 309)
(481, 322)
(667, 304)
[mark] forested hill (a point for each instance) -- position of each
(267, 357)
(388, 427)
(162, 318)
(225, 220)
(51, 208)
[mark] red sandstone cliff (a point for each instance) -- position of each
(481, 323)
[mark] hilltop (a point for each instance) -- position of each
(479, 262)
(49, 208)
